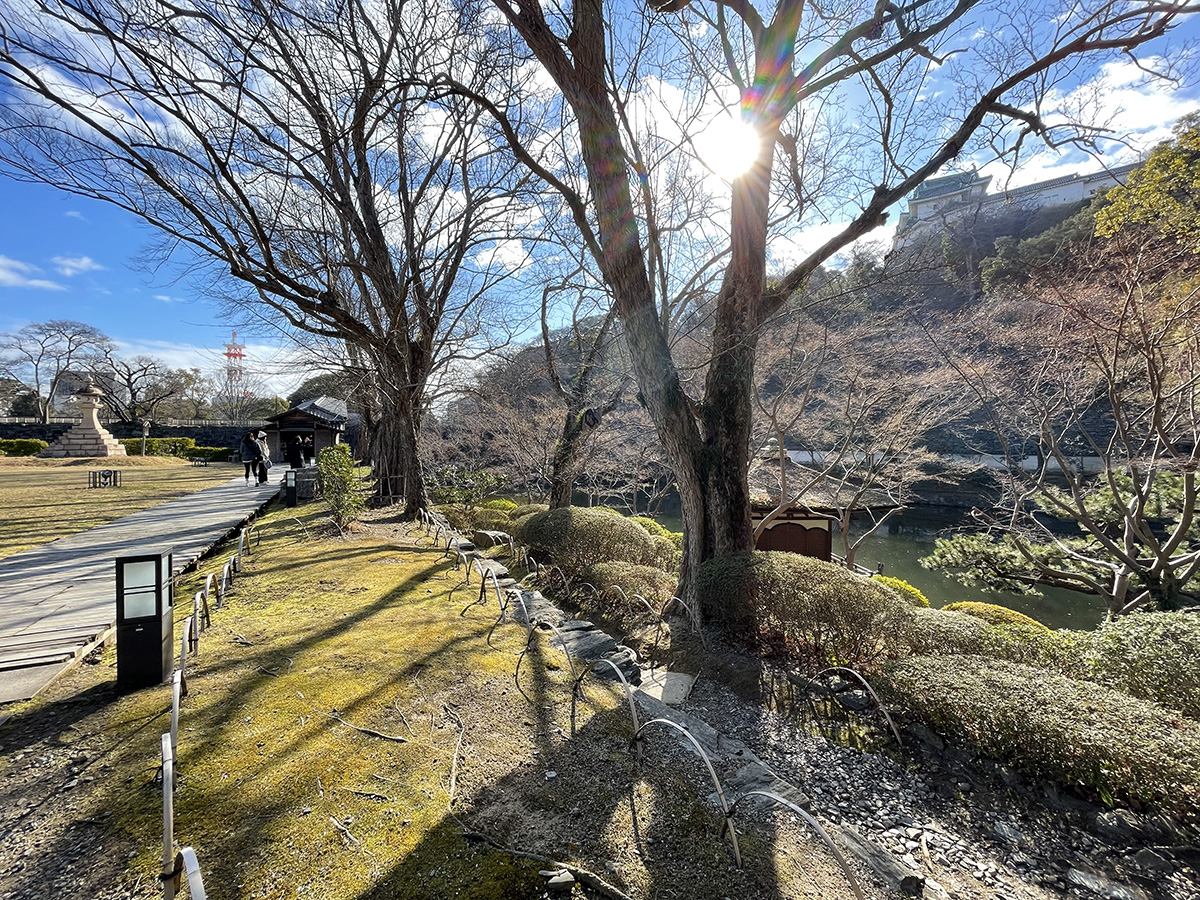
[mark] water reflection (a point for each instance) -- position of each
(910, 535)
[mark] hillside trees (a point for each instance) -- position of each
(786, 71)
(296, 148)
(1089, 371)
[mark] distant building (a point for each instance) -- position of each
(940, 201)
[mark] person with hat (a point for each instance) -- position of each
(264, 458)
(253, 451)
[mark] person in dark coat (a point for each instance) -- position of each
(252, 454)
(295, 453)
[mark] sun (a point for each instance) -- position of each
(728, 146)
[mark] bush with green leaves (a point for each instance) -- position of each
(499, 503)
(945, 632)
(577, 538)
(22, 447)
(462, 486)
(1051, 726)
(340, 486)
(652, 583)
(994, 614)
(826, 614)
(212, 454)
(906, 591)
(179, 446)
(1152, 655)
(651, 525)
(526, 510)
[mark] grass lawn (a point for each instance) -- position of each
(354, 730)
(45, 499)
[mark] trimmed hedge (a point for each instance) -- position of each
(906, 591)
(823, 611)
(654, 584)
(1152, 655)
(995, 615)
(212, 454)
(181, 446)
(941, 632)
(499, 503)
(1052, 727)
(22, 447)
(577, 538)
(527, 510)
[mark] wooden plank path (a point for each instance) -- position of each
(58, 600)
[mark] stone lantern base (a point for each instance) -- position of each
(84, 441)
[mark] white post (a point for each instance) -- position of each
(168, 785)
(176, 694)
(183, 645)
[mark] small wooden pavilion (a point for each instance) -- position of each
(317, 424)
(814, 503)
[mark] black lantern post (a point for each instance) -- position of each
(145, 619)
(289, 487)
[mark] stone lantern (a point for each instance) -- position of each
(89, 437)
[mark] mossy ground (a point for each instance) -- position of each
(282, 800)
(45, 499)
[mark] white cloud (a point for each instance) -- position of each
(69, 266)
(75, 214)
(785, 251)
(15, 274)
(509, 255)
(167, 298)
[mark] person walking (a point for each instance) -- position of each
(264, 458)
(252, 454)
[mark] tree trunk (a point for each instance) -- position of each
(568, 454)
(394, 457)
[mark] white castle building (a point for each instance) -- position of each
(940, 201)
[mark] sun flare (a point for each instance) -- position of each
(728, 146)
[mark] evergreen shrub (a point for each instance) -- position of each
(906, 591)
(652, 583)
(340, 486)
(212, 454)
(1051, 726)
(499, 503)
(1152, 655)
(22, 447)
(824, 612)
(995, 615)
(577, 538)
(528, 509)
(179, 446)
(943, 632)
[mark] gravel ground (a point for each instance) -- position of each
(973, 827)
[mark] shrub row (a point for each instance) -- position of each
(22, 447)
(823, 611)
(178, 446)
(904, 590)
(1051, 726)
(577, 538)
(212, 454)
(996, 615)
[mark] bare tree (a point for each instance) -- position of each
(43, 354)
(887, 52)
(294, 146)
(1093, 393)
(135, 388)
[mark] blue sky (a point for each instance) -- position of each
(67, 257)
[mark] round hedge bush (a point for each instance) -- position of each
(1152, 655)
(577, 538)
(499, 503)
(995, 615)
(1054, 727)
(906, 591)
(652, 583)
(824, 612)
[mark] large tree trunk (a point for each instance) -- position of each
(394, 458)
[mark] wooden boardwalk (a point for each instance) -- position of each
(58, 600)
